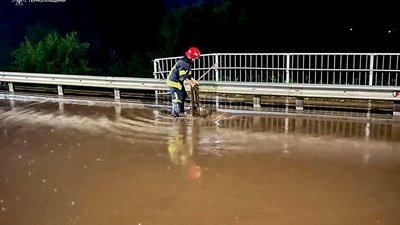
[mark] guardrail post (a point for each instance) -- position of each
(371, 69)
(117, 94)
(60, 90)
(10, 87)
(299, 103)
(257, 101)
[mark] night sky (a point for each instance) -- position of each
(114, 27)
(180, 3)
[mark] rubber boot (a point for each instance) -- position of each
(175, 109)
(181, 108)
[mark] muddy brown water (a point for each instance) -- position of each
(94, 165)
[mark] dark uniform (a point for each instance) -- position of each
(179, 72)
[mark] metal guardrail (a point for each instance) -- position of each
(115, 83)
(296, 90)
(336, 75)
(251, 88)
(84, 80)
(299, 91)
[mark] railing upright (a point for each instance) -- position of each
(371, 69)
(287, 68)
(216, 67)
(155, 63)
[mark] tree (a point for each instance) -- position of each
(54, 54)
(139, 65)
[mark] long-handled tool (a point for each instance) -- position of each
(214, 66)
(195, 97)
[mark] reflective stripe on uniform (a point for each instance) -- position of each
(176, 97)
(185, 72)
(174, 84)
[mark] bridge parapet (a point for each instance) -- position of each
(369, 76)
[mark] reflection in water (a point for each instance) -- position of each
(96, 124)
(178, 147)
(218, 134)
(73, 164)
(278, 107)
(314, 126)
(181, 145)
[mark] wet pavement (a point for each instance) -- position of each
(97, 165)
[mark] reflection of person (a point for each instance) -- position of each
(180, 150)
(180, 72)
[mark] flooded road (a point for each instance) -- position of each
(91, 165)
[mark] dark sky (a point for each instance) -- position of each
(291, 22)
(178, 3)
(277, 26)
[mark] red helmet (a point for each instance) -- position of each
(193, 53)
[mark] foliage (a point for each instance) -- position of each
(137, 66)
(53, 54)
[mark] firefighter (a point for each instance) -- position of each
(180, 72)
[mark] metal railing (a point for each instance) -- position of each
(321, 75)
(361, 69)
(369, 76)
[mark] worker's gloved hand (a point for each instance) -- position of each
(193, 83)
